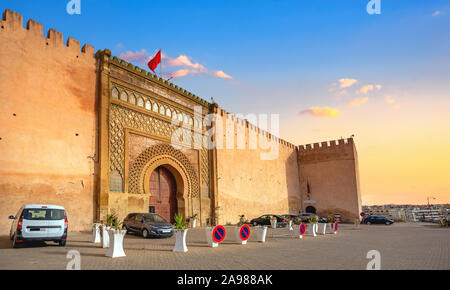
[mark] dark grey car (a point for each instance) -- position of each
(148, 225)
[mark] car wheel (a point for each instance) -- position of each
(145, 233)
(368, 223)
(255, 224)
(388, 223)
(62, 243)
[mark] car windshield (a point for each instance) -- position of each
(154, 218)
(43, 214)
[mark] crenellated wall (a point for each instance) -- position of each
(331, 170)
(47, 121)
(61, 129)
(248, 184)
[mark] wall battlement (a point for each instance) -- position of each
(327, 146)
(12, 25)
(260, 132)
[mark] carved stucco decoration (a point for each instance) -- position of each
(153, 155)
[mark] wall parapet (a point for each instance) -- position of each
(12, 24)
(327, 150)
(251, 127)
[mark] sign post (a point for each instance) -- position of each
(215, 235)
(243, 234)
(301, 230)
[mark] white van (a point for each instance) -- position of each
(39, 222)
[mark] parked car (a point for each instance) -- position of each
(377, 220)
(39, 222)
(265, 220)
(295, 218)
(148, 225)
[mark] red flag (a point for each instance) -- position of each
(153, 63)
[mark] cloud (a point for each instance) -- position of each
(389, 99)
(436, 13)
(357, 102)
(221, 74)
(320, 112)
(183, 62)
(345, 83)
(367, 88)
(141, 57)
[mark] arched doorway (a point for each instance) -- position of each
(163, 191)
(310, 209)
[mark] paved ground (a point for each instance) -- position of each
(402, 246)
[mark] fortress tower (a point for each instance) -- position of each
(329, 178)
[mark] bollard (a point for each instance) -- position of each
(322, 229)
(262, 231)
(312, 229)
(96, 233)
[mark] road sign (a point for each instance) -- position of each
(244, 232)
(362, 214)
(218, 234)
(302, 229)
(336, 226)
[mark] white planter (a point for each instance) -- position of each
(330, 228)
(115, 249)
(209, 238)
(262, 231)
(290, 225)
(96, 233)
(312, 229)
(105, 236)
(193, 222)
(180, 241)
(322, 229)
(237, 236)
(273, 223)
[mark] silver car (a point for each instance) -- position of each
(148, 225)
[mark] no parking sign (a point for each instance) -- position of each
(218, 234)
(336, 226)
(244, 232)
(302, 229)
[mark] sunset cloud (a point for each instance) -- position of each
(221, 74)
(345, 83)
(367, 88)
(357, 102)
(389, 99)
(320, 112)
(183, 62)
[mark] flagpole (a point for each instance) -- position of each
(160, 66)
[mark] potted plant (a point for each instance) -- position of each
(273, 222)
(312, 226)
(110, 218)
(330, 223)
(180, 227)
(116, 235)
(193, 220)
(96, 232)
(322, 226)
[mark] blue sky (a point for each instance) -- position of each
(382, 77)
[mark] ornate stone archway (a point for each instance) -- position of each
(174, 160)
